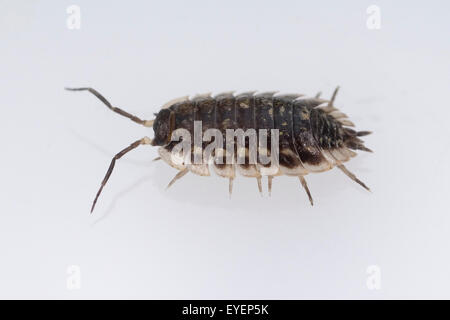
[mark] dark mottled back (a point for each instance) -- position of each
(303, 128)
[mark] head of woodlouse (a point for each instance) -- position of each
(162, 127)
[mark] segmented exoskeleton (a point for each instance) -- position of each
(313, 134)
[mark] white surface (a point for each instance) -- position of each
(192, 241)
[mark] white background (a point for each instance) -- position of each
(192, 241)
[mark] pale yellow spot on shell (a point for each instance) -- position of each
(305, 116)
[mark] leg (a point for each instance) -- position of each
(353, 177)
(230, 186)
(258, 180)
(333, 97)
(269, 184)
(330, 107)
(305, 186)
(179, 175)
(146, 123)
(132, 146)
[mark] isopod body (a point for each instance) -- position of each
(312, 135)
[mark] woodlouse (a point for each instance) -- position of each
(313, 134)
